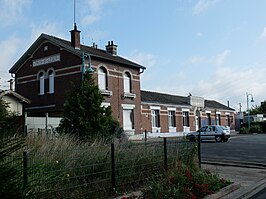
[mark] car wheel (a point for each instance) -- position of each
(225, 139)
(218, 138)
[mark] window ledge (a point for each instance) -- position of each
(156, 129)
(172, 129)
(106, 92)
(129, 95)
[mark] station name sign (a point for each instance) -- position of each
(46, 60)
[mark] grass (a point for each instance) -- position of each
(62, 167)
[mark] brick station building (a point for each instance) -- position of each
(47, 70)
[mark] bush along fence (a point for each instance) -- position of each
(100, 171)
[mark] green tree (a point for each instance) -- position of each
(84, 116)
(259, 109)
(10, 169)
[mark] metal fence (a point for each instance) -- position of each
(100, 171)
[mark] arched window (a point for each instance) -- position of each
(51, 75)
(102, 79)
(127, 82)
(41, 82)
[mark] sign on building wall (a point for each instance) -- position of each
(46, 60)
(196, 101)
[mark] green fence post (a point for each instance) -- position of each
(165, 153)
(113, 165)
(25, 170)
(199, 149)
(145, 132)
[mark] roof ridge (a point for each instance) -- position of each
(169, 94)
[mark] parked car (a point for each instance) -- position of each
(211, 132)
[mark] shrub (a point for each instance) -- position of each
(255, 129)
(244, 130)
(184, 182)
(10, 170)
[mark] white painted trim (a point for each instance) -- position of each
(171, 129)
(218, 112)
(156, 129)
(28, 76)
(137, 80)
(171, 109)
(105, 104)
(128, 106)
(166, 105)
(208, 112)
(65, 74)
(226, 113)
(185, 110)
(67, 68)
(155, 108)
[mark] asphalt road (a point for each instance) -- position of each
(244, 149)
(260, 195)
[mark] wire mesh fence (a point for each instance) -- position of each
(99, 171)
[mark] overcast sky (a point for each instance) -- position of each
(210, 48)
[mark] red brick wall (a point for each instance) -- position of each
(28, 85)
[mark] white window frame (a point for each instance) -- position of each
(185, 114)
(41, 82)
(102, 78)
(218, 118)
(127, 108)
(171, 118)
(227, 118)
(127, 82)
(155, 114)
(51, 81)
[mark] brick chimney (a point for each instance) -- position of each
(11, 84)
(111, 48)
(75, 37)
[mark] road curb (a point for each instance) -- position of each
(243, 191)
(224, 191)
(253, 190)
(237, 164)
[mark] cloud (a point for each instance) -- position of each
(95, 8)
(10, 48)
(146, 59)
(51, 28)
(196, 60)
(12, 11)
(231, 84)
(220, 58)
(263, 34)
(199, 34)
(96, 5)
(203, 5)
(217, 60)
(90, 19)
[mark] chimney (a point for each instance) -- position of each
(75, 37)
(111, 48)
(94, 45)
(11, 84)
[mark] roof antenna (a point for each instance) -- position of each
(74, 12)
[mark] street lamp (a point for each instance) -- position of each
(252, 100)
